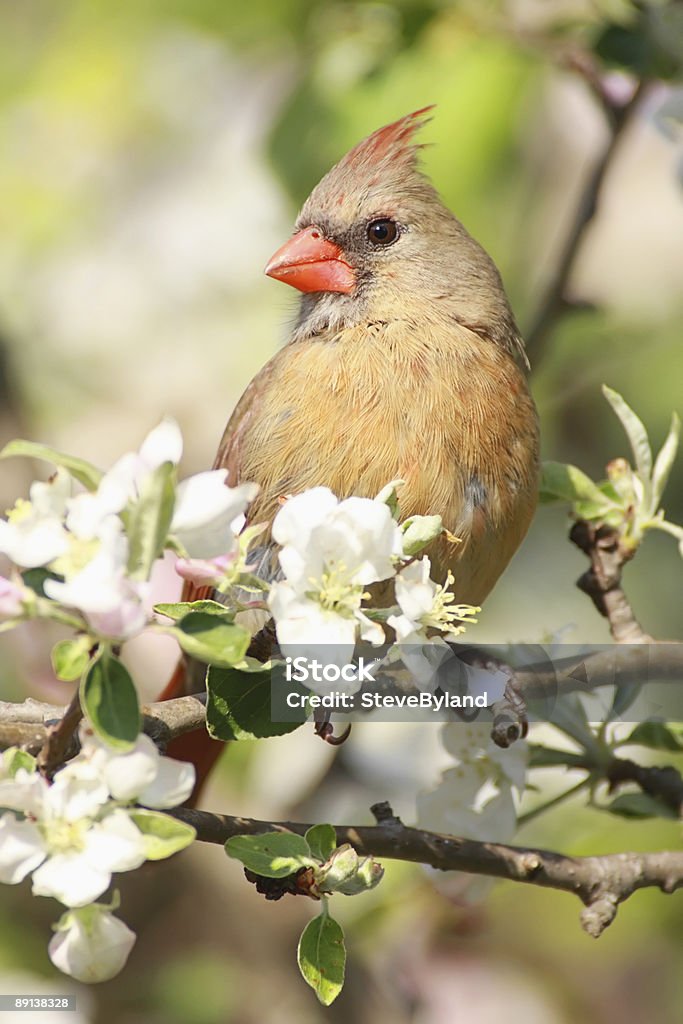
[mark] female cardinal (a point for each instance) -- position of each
(405, 362)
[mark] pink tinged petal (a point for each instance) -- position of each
(71, 879)
(115, 844)
(124, 622)
(21, 849)
(172, 786)
(11, 598)
(202, 570)
(205, 510)
(93, 947)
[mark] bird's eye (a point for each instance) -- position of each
(382, 232)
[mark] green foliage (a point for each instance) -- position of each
(109, 699)
(163, 834)
(332, 869)
(648, 44)
(239, 704)
(70, 657)
(14, 760)
(149, 519)
(322, 841)
(656, 735)
(639, 805)
(629, 499)
(212, 638)
(79, 469)
(273, 854)
(322, 957)
(181, 608)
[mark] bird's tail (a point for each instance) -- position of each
(196, 747)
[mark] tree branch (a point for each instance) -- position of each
(601, 883)
(602, 582)
(556, 300)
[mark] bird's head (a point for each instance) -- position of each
(374, 242)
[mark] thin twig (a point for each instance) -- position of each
(59, 738)
(600, 882)
(556, 300)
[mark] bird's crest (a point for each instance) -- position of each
(391, 144)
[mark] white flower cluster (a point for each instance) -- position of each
(83, 539)
(475, 799)
(331, 552)
(73, 834)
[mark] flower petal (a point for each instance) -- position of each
(21, 849)
(93, 946)
(71, 879)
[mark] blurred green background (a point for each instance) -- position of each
(152, 156)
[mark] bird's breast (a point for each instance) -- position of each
(445, 411)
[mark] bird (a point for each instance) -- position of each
(404, 363)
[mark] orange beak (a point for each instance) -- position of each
(311, 263)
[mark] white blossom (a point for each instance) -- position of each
(70, 850)
(475, 798)
(91, 944)
(141, 774)
(350, 542)
(331, 550)
(78, 832)
(426, 605)
(33, 534)
(123, 482)
(205, 510)
(113, 604)
(471, 743)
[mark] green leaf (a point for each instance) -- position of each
(163, 834)
(569, 715)
(272, 854)
(322, 840)
(639, 805)
(109, 699)
(239, 705)
(637, 436)
(149, 519)
(36, 578)
(561, 482)
(655, 735)
(81, 470)
(664, 462)
(70, 657)
(624, 696)
(179, 609)
(211, 638)
(322, 957)
(14, 759)
(546, 757)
